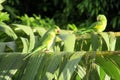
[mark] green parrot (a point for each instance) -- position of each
(46, 41)
(98, 26)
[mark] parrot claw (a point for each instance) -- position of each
(48, 51)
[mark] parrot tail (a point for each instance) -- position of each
(84, 31)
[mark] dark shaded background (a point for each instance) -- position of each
(80, 12)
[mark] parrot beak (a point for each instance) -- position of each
(58, 31)
(97, 19)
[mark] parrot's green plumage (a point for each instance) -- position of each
(46, 41)
(98, 26)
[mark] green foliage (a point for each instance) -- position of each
(9, 64)
(57, 66)
(90, 56)
(73, 27)
(4, 16)
(10, 7)
(5, 28)
(30, 43)
(81, 13)
(97, 41)
(74, 61)
(36, 21)
(1, 7)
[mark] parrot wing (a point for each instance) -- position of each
(46, 41)
(98, 26)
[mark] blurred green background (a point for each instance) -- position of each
(79, 12)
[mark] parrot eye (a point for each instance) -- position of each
(58, 31)
(98, 18)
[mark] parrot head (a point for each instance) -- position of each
(57, 30)
(101, 17)
(101, 23)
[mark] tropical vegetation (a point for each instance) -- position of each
(89, 56)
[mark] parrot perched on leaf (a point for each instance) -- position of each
(98, 26)
(46, 41)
